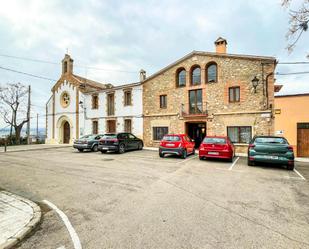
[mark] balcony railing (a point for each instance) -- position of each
(194, 109)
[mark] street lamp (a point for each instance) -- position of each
(255, 83)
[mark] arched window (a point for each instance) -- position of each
(211, 72)
(65, 67)
(181, 77)
(196, 75)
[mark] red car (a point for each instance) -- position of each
(176, 144)
(217, 147)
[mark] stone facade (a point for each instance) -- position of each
(255, 109)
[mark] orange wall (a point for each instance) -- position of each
(294, 109)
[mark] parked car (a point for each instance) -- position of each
(120, 142)
(270, 149)
(88, 142)
(176, 144)
(217, 147)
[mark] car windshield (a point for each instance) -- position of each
(110, 136)
(214, 140)
(88, 137)
(270, 140)
(171, 138)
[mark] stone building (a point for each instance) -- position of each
(79, 106)
(211, 93)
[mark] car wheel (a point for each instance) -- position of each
(80, 150)
(193, 152)
(121, 149)
(184, 154)
(103, 151)
(290, 167)
(201, 158)
(95, 148)
(140, 145)
(250, 163)
(231, 159)
(161, 155)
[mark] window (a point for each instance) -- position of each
(111, 126)
(159, 132)
(181, 77)
(239, 134)
(95, 127)
(65, 67)
(65, 99)
(234, 94)
(211, 73)
(196, 75)
(163, 101)
(128, 125)
(127, 98)
(131, 136)
(95, 102)
(110, 104)
(195, 101)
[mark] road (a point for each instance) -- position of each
(138, 200)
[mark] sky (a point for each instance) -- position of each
(121, 37)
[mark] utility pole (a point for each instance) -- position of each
(37, 128)
(28, 114)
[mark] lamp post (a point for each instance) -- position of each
(255, 83)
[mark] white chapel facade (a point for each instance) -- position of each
(79, 106)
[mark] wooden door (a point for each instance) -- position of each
(66, 133)
(303, 140)
(111, 126)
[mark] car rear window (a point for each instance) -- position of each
(214, 140)
(270, 140)
(110, 136)
(171, 138)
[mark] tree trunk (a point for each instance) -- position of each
(17, 134)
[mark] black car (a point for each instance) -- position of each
(120, 142)
(88, 142)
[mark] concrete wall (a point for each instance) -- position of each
(293, 110)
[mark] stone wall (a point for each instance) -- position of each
(254, 109)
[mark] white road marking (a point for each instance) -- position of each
(67, 223)
(61, 247)
(301, 176)
(188, 159)
(233, 164)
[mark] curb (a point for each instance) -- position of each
(21, 234)
(34, 149)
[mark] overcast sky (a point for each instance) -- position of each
(119, 35)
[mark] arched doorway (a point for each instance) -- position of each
(66, 132)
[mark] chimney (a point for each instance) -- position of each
(142, 75)
(67, 65)
(221, 45)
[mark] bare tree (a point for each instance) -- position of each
(13, 106)
(298, 22)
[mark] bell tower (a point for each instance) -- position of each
(67, 65)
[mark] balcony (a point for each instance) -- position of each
(194, 110)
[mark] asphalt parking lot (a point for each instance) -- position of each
(139, 200)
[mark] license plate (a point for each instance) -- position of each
(104, 148)
(213, 153)
(271, 157)
(169, 145)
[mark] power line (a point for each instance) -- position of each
(294, 63)
(293, 73)
(57, 63)
(28, 74)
